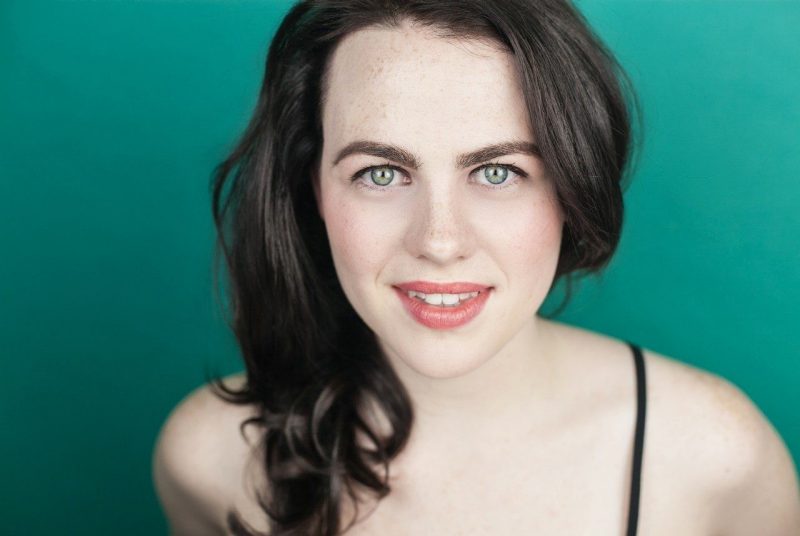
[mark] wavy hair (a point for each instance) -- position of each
(312, 365)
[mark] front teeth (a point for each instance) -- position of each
(442, 299)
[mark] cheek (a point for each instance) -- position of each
(527, 237)
(359, 239)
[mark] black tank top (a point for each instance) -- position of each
(638, 439)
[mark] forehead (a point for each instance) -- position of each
(408, 85)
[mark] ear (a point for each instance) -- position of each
(317, 195)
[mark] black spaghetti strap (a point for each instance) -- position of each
(638, 444)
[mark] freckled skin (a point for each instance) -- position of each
(436, 98)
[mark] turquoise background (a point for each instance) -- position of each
(112, 115)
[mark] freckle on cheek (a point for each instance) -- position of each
(345, 239)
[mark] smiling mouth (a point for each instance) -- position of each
(440, 310)
(442, 299)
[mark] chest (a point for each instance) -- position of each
(552, 493)
(577, 482)
(580, 486)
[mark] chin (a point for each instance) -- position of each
(438, 365)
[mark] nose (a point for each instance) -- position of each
(439, 229)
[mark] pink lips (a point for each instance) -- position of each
(442, 317)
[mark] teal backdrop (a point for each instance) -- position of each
(113, 114)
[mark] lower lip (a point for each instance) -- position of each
(443, 317)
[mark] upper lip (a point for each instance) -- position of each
(430, 287)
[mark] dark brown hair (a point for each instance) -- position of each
(312, 364)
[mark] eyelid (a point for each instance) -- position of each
(357, 175)
(511, 167)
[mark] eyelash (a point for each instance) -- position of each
(510, 167)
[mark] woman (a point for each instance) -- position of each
(416, 178)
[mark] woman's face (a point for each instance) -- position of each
(419, 106)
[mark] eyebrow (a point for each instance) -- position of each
(409, 159)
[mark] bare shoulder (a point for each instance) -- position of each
(729, 451)
(715, 417)
(710, 453)
(715, 444)
(198, 455)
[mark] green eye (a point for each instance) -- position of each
(495, 174)
(382, 176)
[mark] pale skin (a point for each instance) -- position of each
(522, 425)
